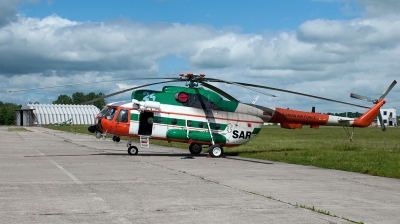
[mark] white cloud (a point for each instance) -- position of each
(330, 58)
(380, 8)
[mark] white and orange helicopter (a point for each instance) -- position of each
(198, 116)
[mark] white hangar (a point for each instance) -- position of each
(55, 114)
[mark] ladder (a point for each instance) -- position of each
(144, 141)
(209, 131)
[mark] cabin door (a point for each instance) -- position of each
(146, 123)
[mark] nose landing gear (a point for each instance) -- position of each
(116, 138)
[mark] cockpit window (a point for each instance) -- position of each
(122, 116)
(110, 115)
(103, 111)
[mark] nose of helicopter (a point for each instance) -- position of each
(97, 128)
(92, 129)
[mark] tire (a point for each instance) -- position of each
(116, 138)
(133, 150)
(195, 149)
(98, 134)
(216, 151)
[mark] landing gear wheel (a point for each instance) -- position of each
(133, 150)
(116, 138)
(216, 151)
(195, 149)
(98, 134)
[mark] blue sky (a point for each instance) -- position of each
(328, 48)
(247, 16)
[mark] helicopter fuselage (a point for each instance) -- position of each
(202, 117)
(174, 123)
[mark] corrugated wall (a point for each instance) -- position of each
(57, 113)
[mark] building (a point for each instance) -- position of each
(24, 117)
(55, 114)
(389, 117)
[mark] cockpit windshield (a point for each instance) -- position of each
(111, 113)
(103, 112)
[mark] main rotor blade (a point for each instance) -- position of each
(86, 83)
(220, 91)
(255, 90)
(289, 91)
(388, 89)
(237, 84)
(126, 90)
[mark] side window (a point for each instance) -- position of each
(122, 116)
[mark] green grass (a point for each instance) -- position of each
(372, 151)
(19, 129)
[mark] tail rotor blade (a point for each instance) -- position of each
(381, 121)
(388, 89)
(360, 97)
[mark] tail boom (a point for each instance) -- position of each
(292, 119)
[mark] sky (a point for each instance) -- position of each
(328, 48)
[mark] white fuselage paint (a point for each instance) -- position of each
(239, 124)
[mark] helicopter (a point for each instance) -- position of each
(199, 116)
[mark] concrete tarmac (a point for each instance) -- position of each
(49, 176)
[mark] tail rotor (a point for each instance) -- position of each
(375, 101)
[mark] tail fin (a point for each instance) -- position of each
(368, 117)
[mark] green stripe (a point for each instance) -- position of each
(134, 117)
(256, 131)
(182, 123)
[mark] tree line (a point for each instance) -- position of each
(7, 113)
(80, 98)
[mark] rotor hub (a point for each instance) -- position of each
(191, 79)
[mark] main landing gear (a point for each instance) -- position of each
(195, 149)
(214, 151)
(132, 150)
